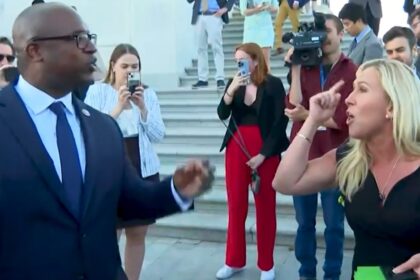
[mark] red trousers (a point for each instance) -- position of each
(238, 178)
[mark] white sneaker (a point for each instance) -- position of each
(268, 275)
(226, 272)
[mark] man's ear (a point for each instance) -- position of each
(34, 53)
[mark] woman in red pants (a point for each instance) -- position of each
(254, 140)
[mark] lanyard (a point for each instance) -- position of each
(322, 77)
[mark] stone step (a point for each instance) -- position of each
(230, 61)
(192, 79)
(184, 119)
(194, 135)
(215, 201)
(189, 94)
(213, 226)
(231, 67)
(179, 154)
(236, 31)
(192, 106)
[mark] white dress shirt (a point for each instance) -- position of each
(45, 120)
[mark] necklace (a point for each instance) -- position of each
(382, 195)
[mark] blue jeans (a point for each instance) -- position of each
(305, 243)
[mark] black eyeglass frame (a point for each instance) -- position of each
(76, 37)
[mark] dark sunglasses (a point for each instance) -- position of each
(10, 58)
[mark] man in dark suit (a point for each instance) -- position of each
(373, 10)
(209, 16)
(63, 171)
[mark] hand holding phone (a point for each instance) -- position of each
(133, 81)
(243, 67)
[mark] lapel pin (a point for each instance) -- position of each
(85, 112)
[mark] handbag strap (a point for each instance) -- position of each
(241, 141)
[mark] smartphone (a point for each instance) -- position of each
(243, 67)
(133, 81)
(389, 275)
(10, 74)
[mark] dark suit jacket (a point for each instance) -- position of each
(374, 5)
(222, 4)
(39, 236)
(367, 49)
(271, 118)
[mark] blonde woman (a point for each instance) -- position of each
(138, 116)
(377, 169)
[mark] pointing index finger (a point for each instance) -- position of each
(336, 87)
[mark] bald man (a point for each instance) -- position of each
(64, 176)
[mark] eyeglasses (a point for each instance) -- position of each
(10, 58)
(83, 39)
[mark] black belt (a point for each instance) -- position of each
(206, 13)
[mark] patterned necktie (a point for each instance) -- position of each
(204, 5)
(353, 45)
(71, 172)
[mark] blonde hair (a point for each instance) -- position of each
(402, 88)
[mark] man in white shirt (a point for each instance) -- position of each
(64, 176)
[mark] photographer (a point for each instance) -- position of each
(137, 113)
(7, 57)
(306, 82)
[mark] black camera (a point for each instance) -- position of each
(308, 42)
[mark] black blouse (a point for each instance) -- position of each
(389, 234)
(269, 106)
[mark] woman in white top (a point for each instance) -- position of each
(138, 116)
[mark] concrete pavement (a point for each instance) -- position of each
(180, 259)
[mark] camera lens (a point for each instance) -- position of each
(240, 64)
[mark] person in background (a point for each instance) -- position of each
(373, 13)
(400, 44)
(139, 118)
(288, 8)
(377, 169)
(65, 177)
(365, 45)
(7, 57)
(414, 22)
(306, 82)
(258, 24)
(254, 140)
(209, 16)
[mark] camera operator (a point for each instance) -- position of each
(306, 82)
(7, 57)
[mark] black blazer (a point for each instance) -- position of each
(40, 238)
(271, 118)
(222, 4)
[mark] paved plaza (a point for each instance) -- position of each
(180, 259)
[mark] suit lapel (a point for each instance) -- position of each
(90, 138)
(17, 118)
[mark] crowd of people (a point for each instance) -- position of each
(354, 142)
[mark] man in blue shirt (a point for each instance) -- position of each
(365, 46)
(209, 16)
